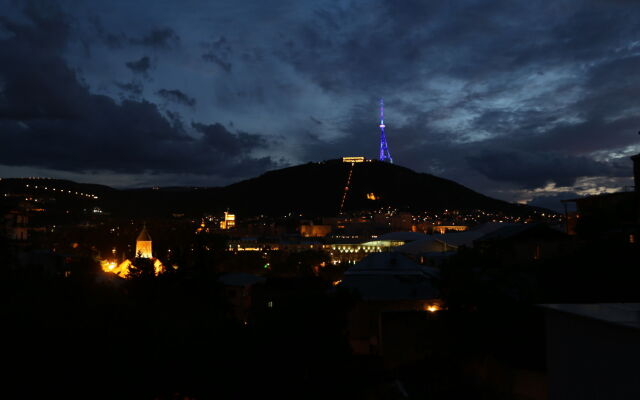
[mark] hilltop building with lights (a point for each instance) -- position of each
(228, 222)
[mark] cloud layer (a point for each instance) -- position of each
(50, 119)
(507, 97)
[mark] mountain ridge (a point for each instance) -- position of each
(314, 188)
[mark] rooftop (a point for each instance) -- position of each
(144, 235)
(625, 314)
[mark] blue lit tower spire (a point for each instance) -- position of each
(384, 149)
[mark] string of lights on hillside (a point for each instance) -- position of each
(346, 188)
(62, 191)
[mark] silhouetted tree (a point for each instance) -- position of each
(141, 268)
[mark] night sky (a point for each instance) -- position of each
(519, 100)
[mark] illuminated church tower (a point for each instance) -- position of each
(143, 244)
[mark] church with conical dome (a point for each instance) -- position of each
(143, 244)
(144, 249)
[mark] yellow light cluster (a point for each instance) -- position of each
(122, 269)
(433, 307)
(352, 159)
(229, 221)
(238, 248)
(444, 228)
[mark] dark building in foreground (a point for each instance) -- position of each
(593, 351)
(615, 215)
(636, 171)
(387, 283)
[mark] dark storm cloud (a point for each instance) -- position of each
(111, 40)
(30, 60)
(159, 38)
(53, 21)
(591, 135)
(384, 48)
(141, 66)
(134, 88)
(177, 96)
(317, 121)
(511, 94)
(217, 135)
(396, 44)
(49, 119)
(212, 57)
(114, 41)
(539, 87)
(176, 120)
(532, 170)
(218, 52)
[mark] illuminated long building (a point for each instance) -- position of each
(340, 251)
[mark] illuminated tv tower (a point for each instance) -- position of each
(384, 148)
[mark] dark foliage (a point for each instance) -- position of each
(172, 336)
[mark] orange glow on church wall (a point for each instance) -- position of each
(143, 249)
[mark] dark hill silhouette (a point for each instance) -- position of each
(317, 188)
(19, 185)
(310, 189)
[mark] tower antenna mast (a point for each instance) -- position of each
(384, 148)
